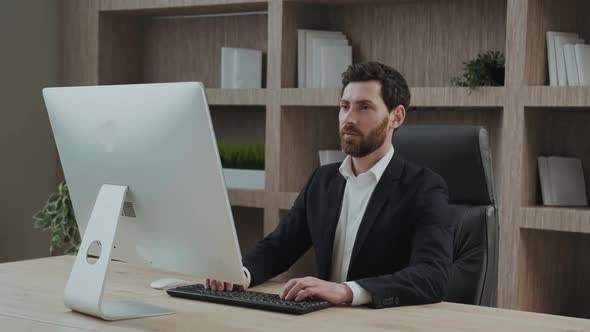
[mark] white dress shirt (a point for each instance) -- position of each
(356, 197)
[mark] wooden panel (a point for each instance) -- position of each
(121, 49)
(79, 31)
(186, 7)
(236, 96)
(554, 133)
(273, 114)
(535, 130)
(239, 124)
(549, 15)
(189, 49)
(516, 42)
(304, 131)
(247, 198)
(553, 278)
(556, 219)
(559, 97)
(249, 223)
(297, 16)
(419, 38)
(508, 194)
(421, 97)
(287, 200)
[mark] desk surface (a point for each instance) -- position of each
(31, 299)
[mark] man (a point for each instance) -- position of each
(378, 224)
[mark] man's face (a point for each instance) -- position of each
(364, 119)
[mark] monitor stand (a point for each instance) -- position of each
(85, 288)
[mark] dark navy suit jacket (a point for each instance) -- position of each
(403, 249)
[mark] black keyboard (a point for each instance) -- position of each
(250, 299)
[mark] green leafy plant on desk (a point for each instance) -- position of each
(58, 217)
(242, 156)
(486, 70)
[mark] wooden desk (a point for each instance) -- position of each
(31, 299)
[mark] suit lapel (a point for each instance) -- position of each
(331, 217)
(387, 189)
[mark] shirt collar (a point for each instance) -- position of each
(377, 170)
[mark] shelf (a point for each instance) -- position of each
(249, 223)
(553, 273)
(551, 131)
(136, 48)
(550, 15)
(286, 200)
(247, 198)
(236, 96)
(556, 219)
(444, 97)
(558, 97)
(422, 39)
(186, 7)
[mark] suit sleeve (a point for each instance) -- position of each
(284, 246)
(425, 279)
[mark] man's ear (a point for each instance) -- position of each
(397, 117)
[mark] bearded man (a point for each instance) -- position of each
(378, 224)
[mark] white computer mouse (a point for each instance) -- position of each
(168, 283)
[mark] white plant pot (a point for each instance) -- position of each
(331, 156)
(244, 178)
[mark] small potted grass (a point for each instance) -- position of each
(243, 165)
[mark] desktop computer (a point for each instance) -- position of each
(146, 184)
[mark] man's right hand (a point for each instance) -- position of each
(218, 285)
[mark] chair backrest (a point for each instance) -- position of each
(461, 155)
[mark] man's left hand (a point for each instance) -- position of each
(301, 288)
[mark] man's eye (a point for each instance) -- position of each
(366, 106)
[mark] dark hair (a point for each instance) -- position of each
(394, 89)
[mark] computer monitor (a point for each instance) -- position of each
(146, 183)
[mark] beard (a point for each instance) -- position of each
(365, 144)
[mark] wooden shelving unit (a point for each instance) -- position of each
(541, 267)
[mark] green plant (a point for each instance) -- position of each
(242, 156)
(58, 217)
(486, 70)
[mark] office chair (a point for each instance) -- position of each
(461, 155)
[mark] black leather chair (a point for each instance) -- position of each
(461, 155)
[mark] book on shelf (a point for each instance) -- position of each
(333, 62)
(562, 181)
(303, 38)
(583, 63)
(241, 68)
(551, 54)
(571, 66)
(568, 59)
(560, 42)
(310, 71)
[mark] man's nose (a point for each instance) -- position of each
(350, 117)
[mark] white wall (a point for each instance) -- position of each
(29, 61)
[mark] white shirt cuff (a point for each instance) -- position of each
(247, 272)
(360, 295)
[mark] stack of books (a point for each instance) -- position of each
(568, 59)
(562, 181)
(322, 57)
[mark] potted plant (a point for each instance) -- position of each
(243, 165)
(58, 217)
(485, 70)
